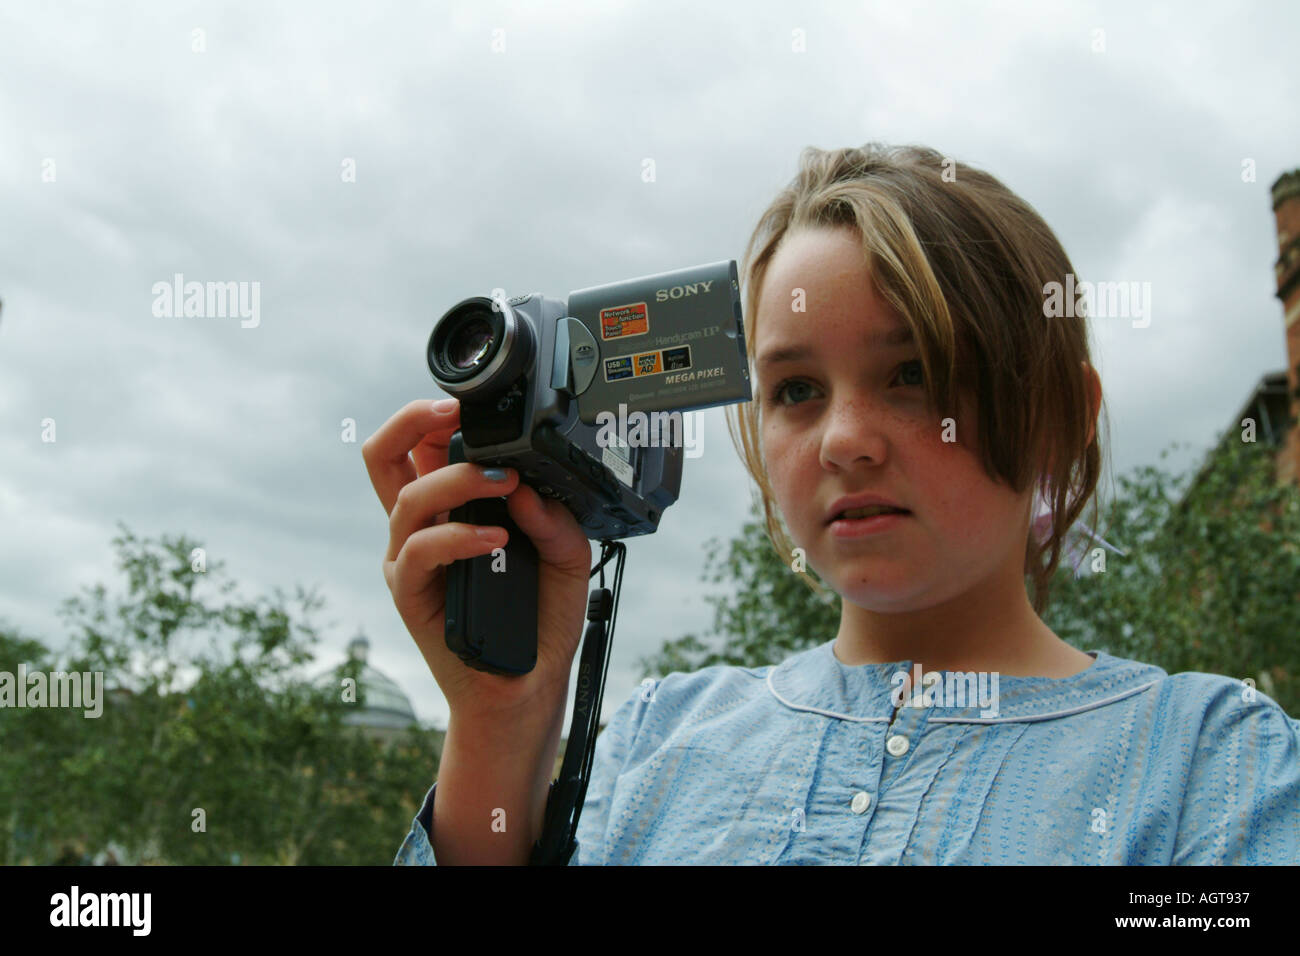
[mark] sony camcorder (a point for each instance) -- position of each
(584, 398)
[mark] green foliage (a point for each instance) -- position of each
(769, 615)
(227, 728)
(1210, 582)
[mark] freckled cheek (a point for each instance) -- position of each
(791, 471)
(962, 503)
(948, 477)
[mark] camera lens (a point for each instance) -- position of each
(479, 348)
(470, 343)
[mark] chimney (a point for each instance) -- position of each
(1286, 207)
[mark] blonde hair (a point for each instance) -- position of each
(964, 262)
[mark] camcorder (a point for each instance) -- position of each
(577, 395)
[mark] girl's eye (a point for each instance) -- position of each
(781, 389)
(912, 373)
(919, 369)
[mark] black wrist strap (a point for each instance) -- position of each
(564, 805)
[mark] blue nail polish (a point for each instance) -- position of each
(495, 474)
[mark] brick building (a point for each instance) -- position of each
(1274, 403)
(1286, 210)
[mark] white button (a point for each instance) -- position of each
(861, 800)
(896, 745)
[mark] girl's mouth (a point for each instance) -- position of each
(874, 524)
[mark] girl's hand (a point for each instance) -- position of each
(407, 461)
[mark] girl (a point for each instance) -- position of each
(912, 405)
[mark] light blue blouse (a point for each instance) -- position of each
(810, 762)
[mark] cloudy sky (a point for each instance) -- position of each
(502, 145)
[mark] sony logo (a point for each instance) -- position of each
(680, 291)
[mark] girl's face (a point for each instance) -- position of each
(852, 419)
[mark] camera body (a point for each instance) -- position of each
(550, 387)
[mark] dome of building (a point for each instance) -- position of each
(386, 707)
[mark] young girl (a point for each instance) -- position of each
(903, 364)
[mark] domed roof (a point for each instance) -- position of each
(385, 703)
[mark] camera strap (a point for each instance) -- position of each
(564, 805)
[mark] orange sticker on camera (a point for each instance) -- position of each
(648, 363)
(621, 321)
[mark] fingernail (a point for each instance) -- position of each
(444, 405)
(495, 474)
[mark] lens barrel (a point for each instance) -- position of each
(479, 347)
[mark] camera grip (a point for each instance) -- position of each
(491, 617)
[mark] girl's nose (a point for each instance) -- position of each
(854, 432)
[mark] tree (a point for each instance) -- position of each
(1210, 582)
(769, 615)
(204, 753)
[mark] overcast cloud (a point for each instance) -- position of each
(521, 168)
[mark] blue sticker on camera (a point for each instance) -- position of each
(616, 368)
